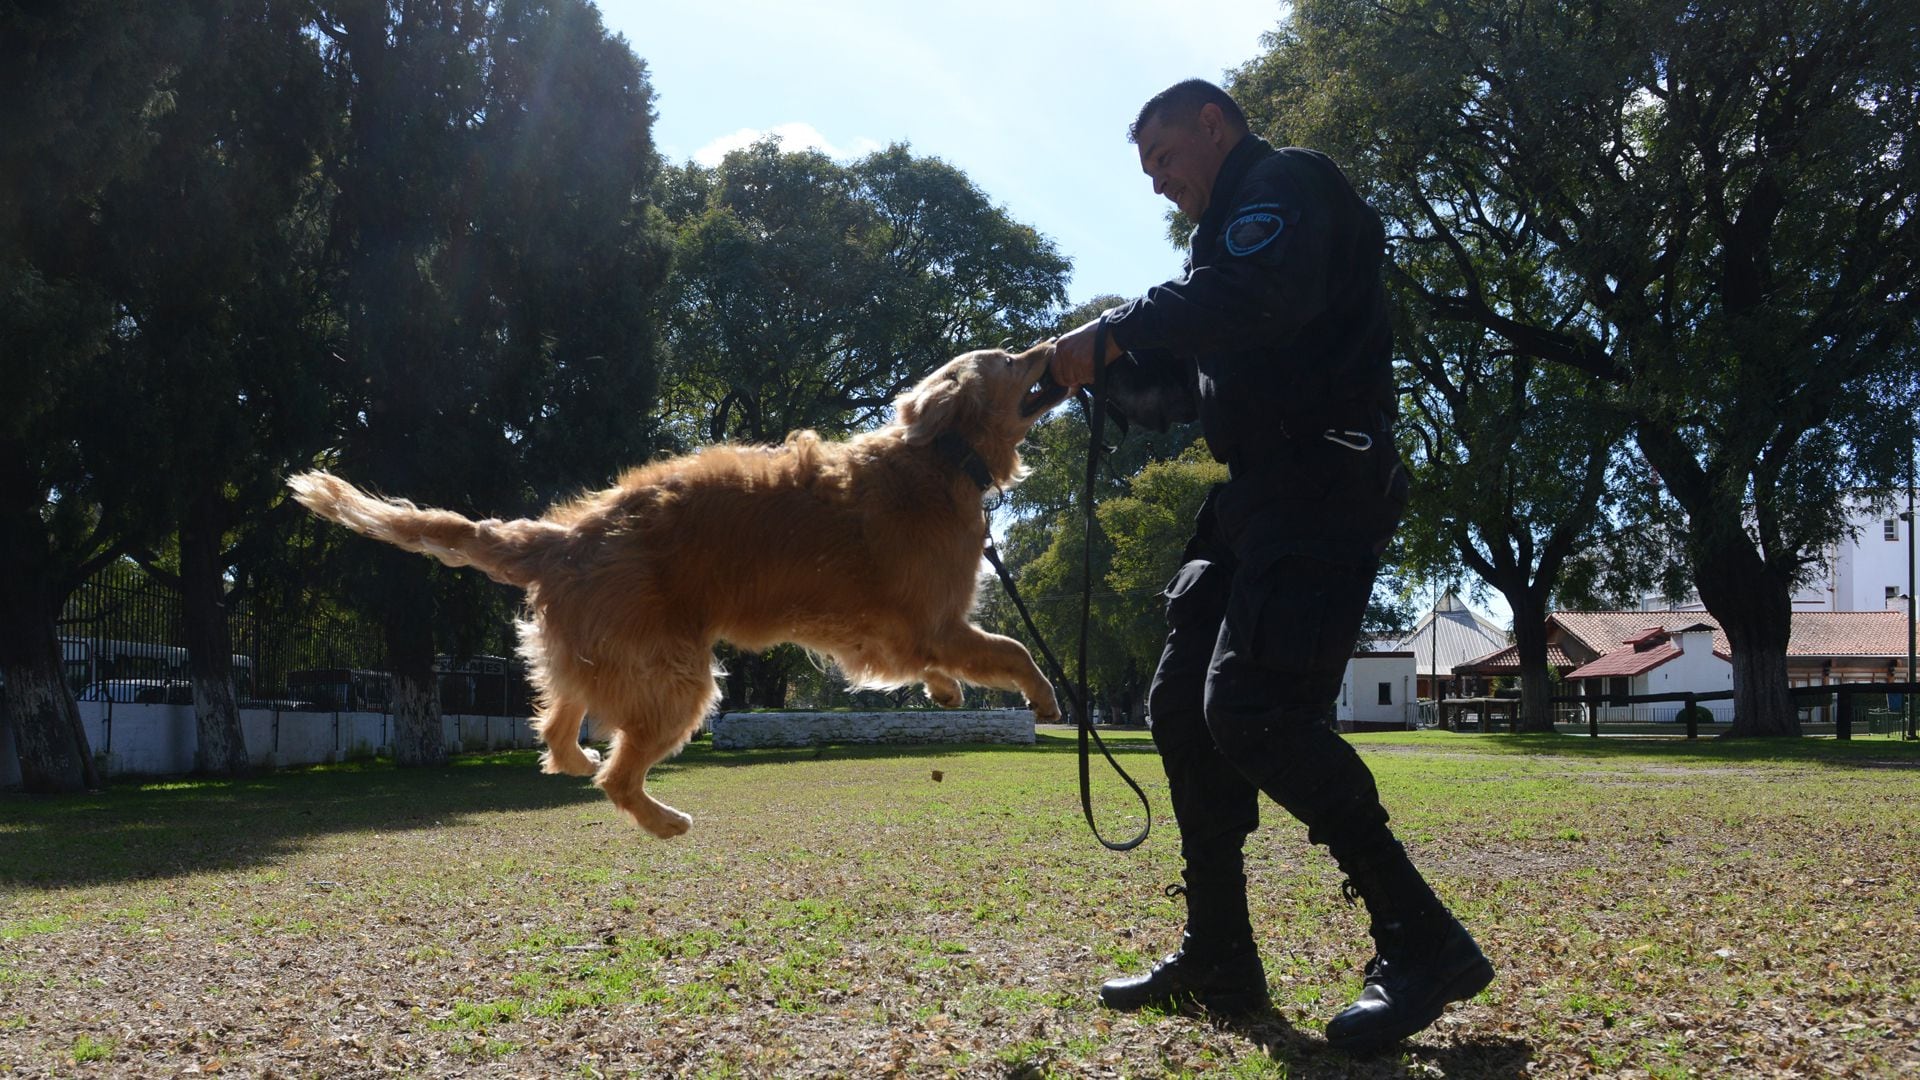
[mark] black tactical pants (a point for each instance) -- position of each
(1262, 619)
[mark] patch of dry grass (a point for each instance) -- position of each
(1654, 910)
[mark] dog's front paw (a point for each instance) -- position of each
(1046, 710)
(945, 692)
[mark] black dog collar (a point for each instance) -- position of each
(959, 453)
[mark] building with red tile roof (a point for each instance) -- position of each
(1505, 663)
(1615, 654)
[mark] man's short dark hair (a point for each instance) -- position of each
(1182, 102)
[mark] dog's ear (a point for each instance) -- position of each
(938, 403)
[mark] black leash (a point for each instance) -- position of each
(1096, 428)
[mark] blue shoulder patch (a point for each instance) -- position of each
(1253, 228)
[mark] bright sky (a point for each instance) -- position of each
(1030, 98)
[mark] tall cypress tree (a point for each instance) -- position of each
(213, 251)
(82, 84)
(496, 260)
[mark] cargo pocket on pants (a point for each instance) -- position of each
(1278, 614)
(1299, 619)
(1195, 592)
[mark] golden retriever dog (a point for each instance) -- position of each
(866, 551)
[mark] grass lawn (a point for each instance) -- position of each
(1654, 908)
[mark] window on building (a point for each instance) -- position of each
(1386, 693)
(1618, 689)
(1892, 529)
(1893, 591)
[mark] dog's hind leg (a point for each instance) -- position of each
(652, 730)
(624, 779)
(559, 727)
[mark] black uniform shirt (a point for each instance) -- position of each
(1280, 320)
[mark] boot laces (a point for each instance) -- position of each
(1376, 970)
(1174, 957)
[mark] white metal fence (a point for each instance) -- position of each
(159, 740)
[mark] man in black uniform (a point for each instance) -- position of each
(1277, 338)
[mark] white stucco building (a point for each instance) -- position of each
(1377, 692)
(1691, 658)
(1867, 570)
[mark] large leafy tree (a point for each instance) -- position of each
(496, 254)
(1511, 460)
(1720, 201)
(1147, 528)
(577, 251)
(212, 248)
(83, 84)
(809, 293)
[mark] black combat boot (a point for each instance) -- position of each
(1424, 959)
(1216, 966)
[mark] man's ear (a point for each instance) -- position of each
(1212, 122)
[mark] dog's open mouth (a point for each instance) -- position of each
(1044, 394)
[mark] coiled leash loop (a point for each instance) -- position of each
(1096, 427)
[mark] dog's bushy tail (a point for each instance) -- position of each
(508, 551)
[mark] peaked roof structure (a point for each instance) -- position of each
(1450, 635)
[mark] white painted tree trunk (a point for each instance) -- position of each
(417, 735)
(222, 747)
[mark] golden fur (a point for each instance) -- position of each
(866, 551)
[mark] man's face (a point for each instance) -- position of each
(1183, 157)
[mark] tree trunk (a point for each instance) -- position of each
(48, 739)
(222, 747)
(766, 674)
(1530, 639)
(733, 677)
(1750, 598)
(1755, 608)
(418, 738)
(1761, 703)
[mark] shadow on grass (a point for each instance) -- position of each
(173, 828)
(1861, 753)
(139, 831)
(1309, 1054)
(703, 755)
